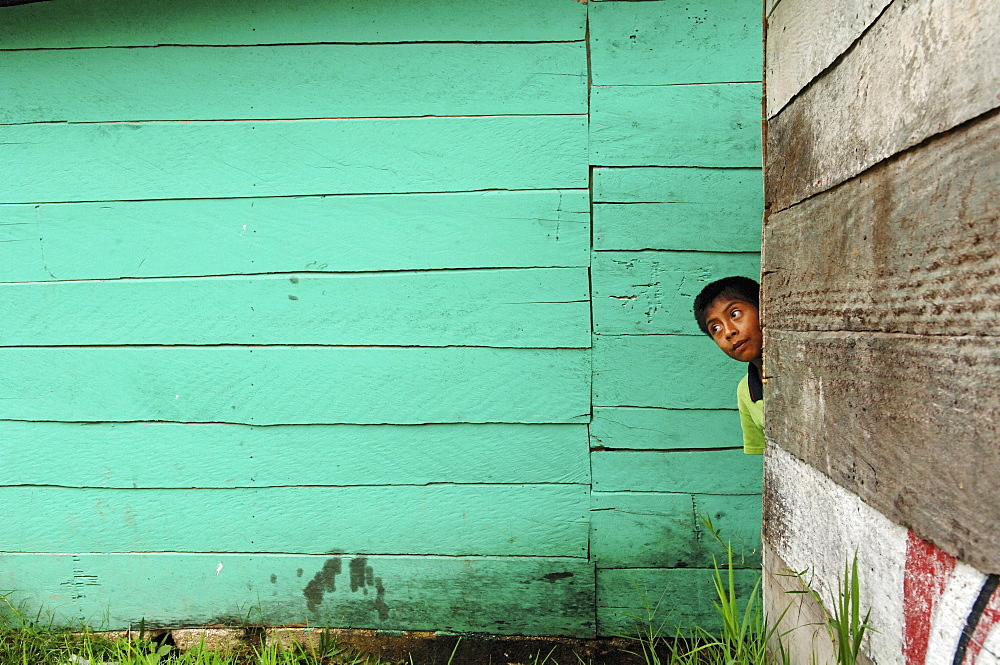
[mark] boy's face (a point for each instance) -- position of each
(735, 326)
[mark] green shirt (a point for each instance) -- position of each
(751, 419)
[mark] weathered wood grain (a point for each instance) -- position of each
(885, 96)
(875, 412)
(293, 81)
(225, 159)
(656, 43)
(528, 595)
(684, 596)
(660, 530)
(82, 23)
(653, 292)
(678, 208)
(692, 472)
(122, 454)
(668, 371)
(909, 246)
(530, 520)
(804, 38)
(531, 307)
(288, 234)
(295, 385)
(688, 125)
(665, 429)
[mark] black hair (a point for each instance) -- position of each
(736, 288)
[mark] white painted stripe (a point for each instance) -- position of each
(824, 525)
(952, 611)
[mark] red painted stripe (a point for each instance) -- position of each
(924, 581)
(990, 618)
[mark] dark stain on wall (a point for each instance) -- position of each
(323, 581)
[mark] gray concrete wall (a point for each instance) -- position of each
(881, 281)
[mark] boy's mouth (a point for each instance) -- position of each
(740, 344)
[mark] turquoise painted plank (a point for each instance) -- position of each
(212, 455)
(532, 307)
(657, 530)
(528, 520)
(527, 595)
(643, 530)
(653, 184)
(295, 385)
(75, 23)
(737, 520)
(668, 371)
(118, 161)
(653, 292)
(691, 125)
(667, 42)
(289, 234)
(693, 472)
(684, 595)
(665, 429)
(678, 208)
(684, 226)
(293, 81)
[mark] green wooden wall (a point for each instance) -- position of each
(371, 314)
(676, 193)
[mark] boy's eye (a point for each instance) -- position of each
(736, 313)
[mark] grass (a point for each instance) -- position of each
(844, 624)
(743, 638)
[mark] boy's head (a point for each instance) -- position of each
(727, 310)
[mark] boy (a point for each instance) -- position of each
(728, 311)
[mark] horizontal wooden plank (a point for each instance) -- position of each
(177, 455)
(528, 595)
(654, 184)
(874, 412)
(653, 292)
(692, 472)
(225, 159)
(295, 385)
(642, 530)
(690, 125)
(657, 43)
(665, 429)
(293, 81)
(678, 208)
(683, 226)
(668, 371)
(804, 38)
(885, 96)
(681, 598)
(529, 520)
(288, 234)
(737, 520)
(79, 23)
(915, 241)
(659, 530)
(533, 307)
